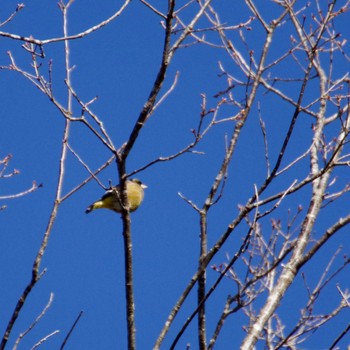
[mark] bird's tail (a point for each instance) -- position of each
(93, 206)
(89, 209)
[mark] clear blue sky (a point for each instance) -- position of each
(84, 259)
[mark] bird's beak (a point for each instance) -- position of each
(144, 186)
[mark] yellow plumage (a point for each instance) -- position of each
(112, 198)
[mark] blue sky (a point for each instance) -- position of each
(84, 259)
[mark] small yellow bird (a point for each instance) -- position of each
(112, 198)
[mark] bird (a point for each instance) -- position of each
(112, 198)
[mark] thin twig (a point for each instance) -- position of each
(71, 330)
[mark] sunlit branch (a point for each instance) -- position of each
(68, 37)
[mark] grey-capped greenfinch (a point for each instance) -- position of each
(112, 198)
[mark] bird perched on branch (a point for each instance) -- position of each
(112, 198)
